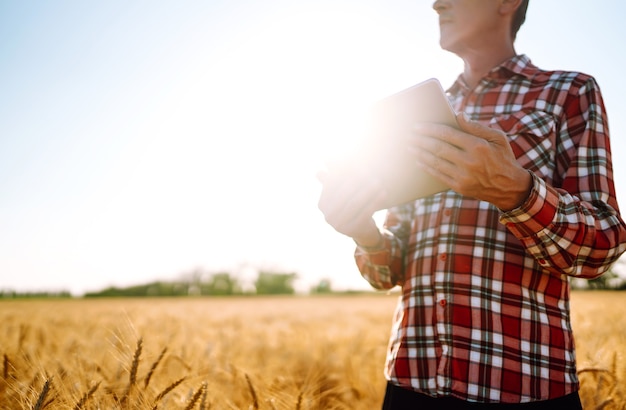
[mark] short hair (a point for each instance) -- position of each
(519, 17)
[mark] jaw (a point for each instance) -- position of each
(449, 38)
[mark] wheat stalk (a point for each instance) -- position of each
(86, 396)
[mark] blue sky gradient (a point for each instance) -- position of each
(140, 140)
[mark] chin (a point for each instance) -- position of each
(447, 46)
(446, 42)
(450, 42)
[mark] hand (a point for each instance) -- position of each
(348, 205)
(475, 161)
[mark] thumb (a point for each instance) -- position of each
(476, 129)
(465, 124)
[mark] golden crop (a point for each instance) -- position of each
(323, 352)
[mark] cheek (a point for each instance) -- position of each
(472, 21)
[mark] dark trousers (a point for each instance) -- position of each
(398, 398)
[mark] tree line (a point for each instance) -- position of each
(217, 284)
(197, 283)
(201, 283)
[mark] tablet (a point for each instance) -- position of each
(385, 153)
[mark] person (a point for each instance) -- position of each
(483, 320)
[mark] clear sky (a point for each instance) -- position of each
(141, 140)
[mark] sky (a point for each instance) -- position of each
(144, 140)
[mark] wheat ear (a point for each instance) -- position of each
(167, 390)
(196, 397)
(86, 396)
(203, 405)
(133, 370)
(5, 367)
(255, 400)
(42, 396)
(154, 366)
(299, 402)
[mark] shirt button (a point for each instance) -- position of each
(443, 303)
(443, 257)
(447, 212)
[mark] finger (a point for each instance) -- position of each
(438, 167)
(424, 138)
(478, 130)
(431, 136)
(433, 150)
(472, 127)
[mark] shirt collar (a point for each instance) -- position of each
(520, 65)
(517, 65)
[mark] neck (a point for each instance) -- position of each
(477, 63)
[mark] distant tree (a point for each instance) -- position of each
(111, 291)
(323, 286)
(270, 283)
(222, 283)
(149, 289)
(162, 289)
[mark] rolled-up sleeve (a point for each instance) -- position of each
(384, 267)
(576, 228)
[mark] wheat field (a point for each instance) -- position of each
(322, 352)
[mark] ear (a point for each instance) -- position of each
(509, 6)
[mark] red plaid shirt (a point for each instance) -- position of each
(484, 313)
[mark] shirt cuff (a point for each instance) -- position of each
(536, 213)
(376, 248)
(378, 255)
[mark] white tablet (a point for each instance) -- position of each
(386, 153)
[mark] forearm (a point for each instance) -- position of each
(567, 235)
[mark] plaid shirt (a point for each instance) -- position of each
(484, 313)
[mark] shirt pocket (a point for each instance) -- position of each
(532, 135)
